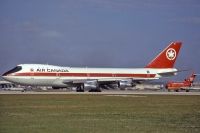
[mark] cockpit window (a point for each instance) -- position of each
(16, 69)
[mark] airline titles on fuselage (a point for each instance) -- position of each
(49, 70)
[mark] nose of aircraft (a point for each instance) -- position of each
(4, 74)
(12, 71)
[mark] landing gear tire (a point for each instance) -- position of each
(80, 89)
(177, 90)
(95, 90)
(187, 90)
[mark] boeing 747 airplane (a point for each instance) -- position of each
(91, 78)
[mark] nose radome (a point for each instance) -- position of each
(4, 77)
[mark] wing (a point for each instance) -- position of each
(106, 81)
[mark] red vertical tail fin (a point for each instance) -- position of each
(167, 57)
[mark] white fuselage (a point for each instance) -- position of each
(49, 75)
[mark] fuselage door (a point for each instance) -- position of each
(32, 73)
(58, 75)
(148, 74)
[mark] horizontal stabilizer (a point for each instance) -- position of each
(167, 74)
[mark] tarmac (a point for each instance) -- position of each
(110, 92)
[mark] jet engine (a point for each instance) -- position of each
(125, 83)
(90, 85)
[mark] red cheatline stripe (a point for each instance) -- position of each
(86, 75)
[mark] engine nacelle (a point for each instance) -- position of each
(91, 85)
(125, 83)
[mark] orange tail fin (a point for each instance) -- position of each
(167, 57)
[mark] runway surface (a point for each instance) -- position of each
(104, 92)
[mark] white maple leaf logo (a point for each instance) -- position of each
(171, 54)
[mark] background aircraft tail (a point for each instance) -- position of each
(167, 57)
(191, 78)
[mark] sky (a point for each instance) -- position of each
(98, 33)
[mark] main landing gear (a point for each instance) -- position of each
(80, 88)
